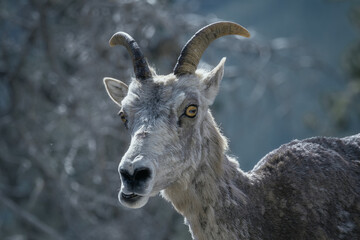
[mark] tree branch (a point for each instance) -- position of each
(29, 218)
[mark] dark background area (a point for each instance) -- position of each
(61, 139)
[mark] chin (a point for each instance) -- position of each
(132, 200)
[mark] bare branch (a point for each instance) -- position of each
(29, 218)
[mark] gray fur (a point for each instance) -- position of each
(307, 189)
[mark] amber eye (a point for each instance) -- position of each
(123, 117)
(191, 111)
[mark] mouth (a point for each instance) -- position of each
(130, 197)
(132, 200)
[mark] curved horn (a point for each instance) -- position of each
(141, 67)
(191, 53)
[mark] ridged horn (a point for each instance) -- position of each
(141, 67)
(193, 50)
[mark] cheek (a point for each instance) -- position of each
(189, 128)
(177, 143)
(180, 157)
(191, 143)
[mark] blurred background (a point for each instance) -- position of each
(61, 139)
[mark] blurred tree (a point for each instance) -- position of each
(344, 105)
(58, 152)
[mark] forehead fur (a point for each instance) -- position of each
(163, 90)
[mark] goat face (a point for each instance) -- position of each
(164, 116)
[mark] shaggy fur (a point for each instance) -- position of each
(304, 190)
(307, 189)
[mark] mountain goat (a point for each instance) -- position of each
(308, 189)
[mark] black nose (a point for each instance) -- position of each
(140, 176)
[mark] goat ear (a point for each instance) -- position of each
(116, 89)
(212, 81)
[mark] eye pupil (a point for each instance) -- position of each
(191, 111)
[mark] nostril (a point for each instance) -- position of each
(142, 174)
(125, 174)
